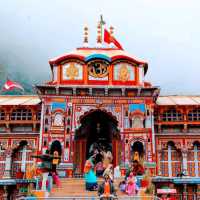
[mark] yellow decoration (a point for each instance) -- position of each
(98, 70)
(136, 156)
(123, 73)
(72, 71)
(56, 159)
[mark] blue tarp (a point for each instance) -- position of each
(186, 180)
(133, 107)
(58, 105)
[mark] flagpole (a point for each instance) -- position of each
(102, 23)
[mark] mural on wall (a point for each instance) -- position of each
(72, 71)
(58, 108)
(124, 72)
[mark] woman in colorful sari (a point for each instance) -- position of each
(131, 186)
(90, 176)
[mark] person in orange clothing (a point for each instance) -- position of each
(106, 190)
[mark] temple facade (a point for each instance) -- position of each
(99, 95)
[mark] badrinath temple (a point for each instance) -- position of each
(99, 94)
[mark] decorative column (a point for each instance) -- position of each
(185, 192)
(198, 191)
(184, 161)
(158, 162)
(7, 171)
(196, 161)
(170, 160)
(23, 165)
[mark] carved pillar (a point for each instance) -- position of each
(198, 191)
(23, 165)
(7, 171)
(170, 160)
(184, 161)
(158, 161)
(185, 192)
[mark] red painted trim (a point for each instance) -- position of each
(120, 57)
(124, 83)
(65, 57)
(98, 82)
(72, 82)
(106, 49)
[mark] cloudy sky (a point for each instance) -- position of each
(166, 33)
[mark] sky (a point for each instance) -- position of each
(165, 33)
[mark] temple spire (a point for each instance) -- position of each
(85, 39)
(100, 28)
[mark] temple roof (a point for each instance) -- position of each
(161, 101)
(109, 54)
(178, 100)
(19, 100)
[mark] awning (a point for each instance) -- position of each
(15, 181)
(166, 191)
(189, 180)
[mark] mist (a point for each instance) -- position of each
(164, 33)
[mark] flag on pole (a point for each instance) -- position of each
(10, 85)
(108, 38)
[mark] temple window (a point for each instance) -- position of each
(21, 114)
(164, 163)
(170, 163)
(68, 121)
(69, 111)
(137, 122)
(46, 121)
(45, 143)
(46, 129)
(193, 156)
(175, 161)
(38, 115)
(194, 115)
(172, 115)
(2, 115)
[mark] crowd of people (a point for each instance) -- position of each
(99, 164)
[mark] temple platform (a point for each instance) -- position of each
(74, 188)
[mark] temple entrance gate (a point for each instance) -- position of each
(98, 127)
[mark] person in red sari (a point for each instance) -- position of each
(137, 169)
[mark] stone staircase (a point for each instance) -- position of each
(75, 187)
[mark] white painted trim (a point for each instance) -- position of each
(41, 126)
(170, 160)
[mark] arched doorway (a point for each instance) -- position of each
(56, 146)
(137, 151)
(98, 128)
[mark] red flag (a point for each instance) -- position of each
(108, 38)
(10, 85)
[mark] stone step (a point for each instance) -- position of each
(76, 187)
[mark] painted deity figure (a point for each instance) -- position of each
(90, 176)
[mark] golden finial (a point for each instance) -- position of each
(99, 40)
(85, 39)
